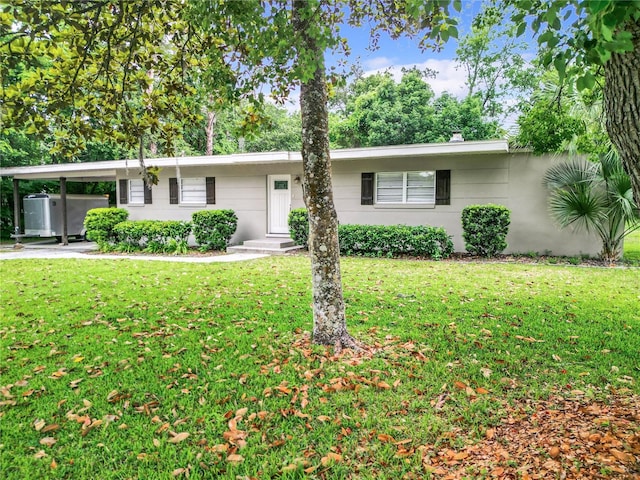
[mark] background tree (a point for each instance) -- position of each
(496, 72)
(558, 118)
(380, 111)
(282, 132)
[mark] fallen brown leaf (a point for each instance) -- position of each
(48, 441)
(179, 437)
(235, 458)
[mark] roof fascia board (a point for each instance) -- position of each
(109, 168)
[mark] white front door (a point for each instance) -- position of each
(279, 203)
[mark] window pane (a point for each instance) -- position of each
(193, 190)
(136, 191)
(421, 187)
(389, 187)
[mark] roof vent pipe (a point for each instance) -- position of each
(456, 136)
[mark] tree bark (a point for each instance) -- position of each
(210, 131)
(622, 104)
(329, 322)
(153, 146)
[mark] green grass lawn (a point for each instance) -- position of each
(632, 248)
(144, 370)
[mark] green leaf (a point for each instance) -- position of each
(560, 65)
(586, 81)
(597, 6)
(546, 59)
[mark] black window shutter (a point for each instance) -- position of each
(173, 191)
(124, 192)
(443, 187)
(148, 200)
(211, 190)
(366, 191)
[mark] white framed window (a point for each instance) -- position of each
(406, 187)
(193, 190)
(136, 192)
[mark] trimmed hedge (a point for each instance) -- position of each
(379, 240)
(299, 226)
(485, 229)
(100, 222)
(214, 228)
(393, 240)
(156, 236)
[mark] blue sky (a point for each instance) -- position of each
(393, 55)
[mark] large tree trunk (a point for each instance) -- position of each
(329, 323)
(622, 104)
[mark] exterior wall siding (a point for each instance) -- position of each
(513, 180)
(239, 188)
(510, 179)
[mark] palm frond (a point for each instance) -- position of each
(620, 194)
(577, 173)
(583, 209)
(610, 164)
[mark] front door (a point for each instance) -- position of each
(279, 203)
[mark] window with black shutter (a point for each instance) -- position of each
(443, 187)
(174, 198)
(366, 190)
(148, 200)
(211, 190)
(124, 192)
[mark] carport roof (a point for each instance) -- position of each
(106, 171)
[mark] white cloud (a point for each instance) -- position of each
(378, 63)
(448, 78)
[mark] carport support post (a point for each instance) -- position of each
(63, 201)
(16, 210)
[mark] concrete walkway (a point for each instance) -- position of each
(88, 250)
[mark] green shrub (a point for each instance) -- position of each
(154, 236)
(299, 226)
(485, 229)
(392, 240)
(100, 222)
(129, 235)
(214, 228)
(378, 240)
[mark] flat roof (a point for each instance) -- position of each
(106, 170)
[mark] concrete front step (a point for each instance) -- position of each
(283, 242)
(270, 246)
(268, 251)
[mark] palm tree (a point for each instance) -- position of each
(594, 196)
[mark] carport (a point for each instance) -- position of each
(63, 173)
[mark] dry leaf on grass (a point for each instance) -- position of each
(235, 458)
(179, 437)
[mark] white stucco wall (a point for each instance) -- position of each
(240, 188)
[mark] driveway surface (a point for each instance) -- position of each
(87, 250)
